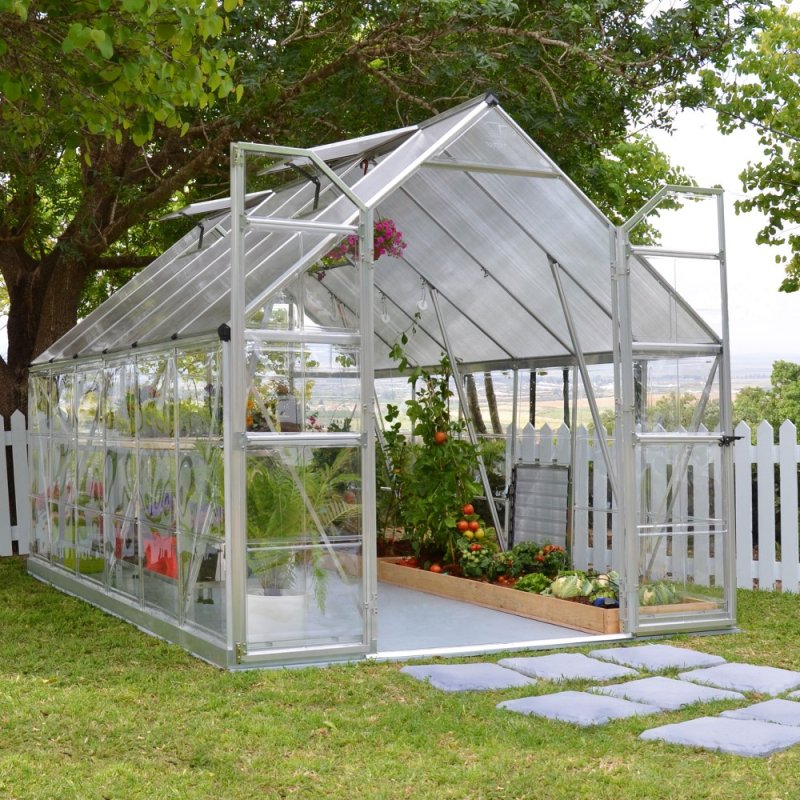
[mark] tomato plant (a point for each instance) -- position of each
(439, 473)
(468, 509)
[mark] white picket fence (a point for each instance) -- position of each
(14, 538)
(776, 499)
(777, 565)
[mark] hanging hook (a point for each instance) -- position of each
(422, 303)
(385, 318)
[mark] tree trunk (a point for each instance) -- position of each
(43, 301)
(474, 405)
(491, 399)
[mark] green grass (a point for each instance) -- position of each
(92, 708)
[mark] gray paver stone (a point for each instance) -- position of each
(667, 694)
(657, 657)
(567, 666)
(580, 708)
(745, 678)
(741, 737)
(467, 677)
(781, 712)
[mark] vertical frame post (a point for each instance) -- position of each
(625, 429)
(234, 414)
(366, 231)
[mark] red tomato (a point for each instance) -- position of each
(436, 567)
(467, 510)
(462, 525)
(474, 525)
(440, 437)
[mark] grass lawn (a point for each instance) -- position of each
(92, 708)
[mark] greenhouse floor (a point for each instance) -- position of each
(412, 624)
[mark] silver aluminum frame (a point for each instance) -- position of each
(629, 439)
(236, 436)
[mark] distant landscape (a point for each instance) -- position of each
(745, 371)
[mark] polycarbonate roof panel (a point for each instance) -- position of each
(484, 240)
(659, 315)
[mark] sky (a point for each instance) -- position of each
(763, 322)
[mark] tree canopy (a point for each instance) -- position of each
(112, 110)
(776, 404)
(762, 91)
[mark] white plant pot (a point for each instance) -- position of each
(276, 617)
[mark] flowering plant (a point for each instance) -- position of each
(387, 240)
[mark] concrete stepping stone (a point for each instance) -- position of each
(781, 712)
(468, 677)
(667, 694)
(657, 657)
(566, 666)
(741, 737)
(579, 708)
(745, 678)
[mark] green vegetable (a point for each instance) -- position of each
(534, 582)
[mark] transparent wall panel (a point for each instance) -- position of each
(678, 394)
(304, 547)
(280, 312)
(90, 479)
(40, 392)
(124, 572)
(39, 461)
(90, 543)
(331, 298)
(157, 483)
(63, 404)
(302, 387)
(62, 485)
(89, 394)
(697, 282)
(160, 568)
(200, 490)
(332, 390)
(682, 530)
(62, 532)
(199, 388)
(202, 568)
(122, 413)
(120, 480)
(156, 395)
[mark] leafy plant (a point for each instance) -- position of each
(282, 504)
(535, 583)
(477, 559)
(526, 557)
(437, 478)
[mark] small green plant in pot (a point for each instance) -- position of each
(286, 507)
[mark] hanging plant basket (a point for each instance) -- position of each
(387, 241)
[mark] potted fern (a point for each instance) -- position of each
(292, 512)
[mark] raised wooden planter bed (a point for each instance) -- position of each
(579, 616)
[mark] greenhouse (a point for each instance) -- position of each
(211, 448)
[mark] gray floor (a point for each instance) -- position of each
(415, 624)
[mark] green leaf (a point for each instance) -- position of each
(103, 42)
(11, 88)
